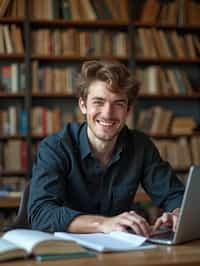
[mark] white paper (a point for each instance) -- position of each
(26, 238)
(115, 241)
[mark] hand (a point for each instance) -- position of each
(124, 221)
(169, 219)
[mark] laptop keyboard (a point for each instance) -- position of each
(168, 235)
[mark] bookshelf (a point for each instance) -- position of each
(165, 53)
(48, 58)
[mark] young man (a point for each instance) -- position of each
(85, 177)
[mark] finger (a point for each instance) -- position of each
(165, 219)
(120, 228)
(174, 223)
(157, 224)
(136, 228)
(143, 225)
(126, 222)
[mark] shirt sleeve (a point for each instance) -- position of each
(159, 180)
(46, 210)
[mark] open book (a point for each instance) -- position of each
(24, 242)
(114, 241)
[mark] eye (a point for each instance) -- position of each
(121, 104)
(98, 102)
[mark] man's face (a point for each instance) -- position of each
(105, 112)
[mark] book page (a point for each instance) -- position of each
(9, 250)
(6, 246)
(27, 239)
(134, 239)
(106, 242)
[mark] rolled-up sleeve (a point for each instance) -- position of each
(46, 208)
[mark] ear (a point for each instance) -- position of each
(82, 105)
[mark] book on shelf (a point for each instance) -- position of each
(112, 242)
(7, 39)
(167, 12)
(150, 11)
(155, 120)
(12, 185)
(3, 7)
(19, 243)
(17, 39)
(88, 12)
(195, 148)
(178, 152)
(183, 125)
(157, 43)
(72, 42)
(12, 8)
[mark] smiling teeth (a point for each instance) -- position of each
(106, 123)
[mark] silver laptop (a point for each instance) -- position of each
(188, 226)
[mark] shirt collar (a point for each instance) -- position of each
(85, 148)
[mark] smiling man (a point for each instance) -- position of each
(85, 176)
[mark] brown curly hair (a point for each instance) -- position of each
(116, 74)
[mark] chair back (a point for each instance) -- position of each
(21, 220)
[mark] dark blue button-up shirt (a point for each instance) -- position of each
(68, 180)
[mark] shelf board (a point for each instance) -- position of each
(12, 95)
(76, 57)
(192, 96)
(54, 95)
(81, 23)
(12, 56)
(12, 173)
(167, 60)
(187, 27)
(9, 202)
(7, 137)
(38, 137)
(11, 20)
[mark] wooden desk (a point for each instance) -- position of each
(181, 255)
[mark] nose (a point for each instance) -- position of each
(107, 110)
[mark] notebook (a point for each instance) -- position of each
(188, 226)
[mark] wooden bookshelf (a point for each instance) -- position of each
(12, 95)
(166, 60)
(11, 57)
(9, 202)
(185, 97)
(63, 58)
(12, 173)
(7, 137)
(133, 60)
(119, 24)
(166, 26)
(11, 20)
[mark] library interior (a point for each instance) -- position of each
(43, 45)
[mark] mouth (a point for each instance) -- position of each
(106, 123)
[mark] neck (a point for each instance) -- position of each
(103, 149)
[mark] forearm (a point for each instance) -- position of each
(86, 224)
(50, 216)
(101, 224)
